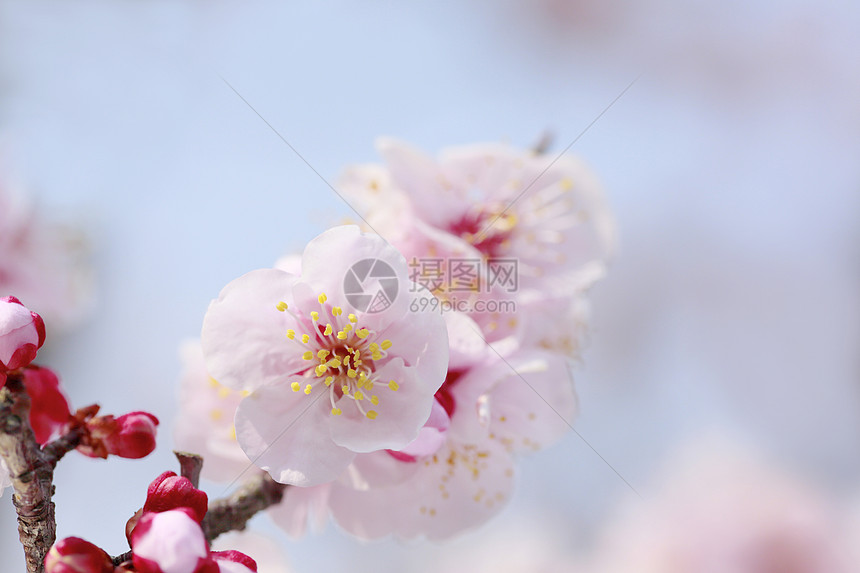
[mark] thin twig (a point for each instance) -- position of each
(233, 512)
(190, 466)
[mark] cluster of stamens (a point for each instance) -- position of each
(345, 355)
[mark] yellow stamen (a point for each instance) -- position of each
(321, 369)
(315, 316)
(329, 380)
(337, 311)
(308, 389)
(352, 318)
(328, 330)
(359, 395)
(295, 386)
(374, 400)
(393, 385)
(351, 373)
(371, 414)
(305, 338)
(322, 354)
(282, 306)
(291, 334)
(341, 335)
(308, 355)
(322, 298)
(333, 363)
(386, 344)
(362, 333)
(336, 411)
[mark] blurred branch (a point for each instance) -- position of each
(232, 513)
(190, 466)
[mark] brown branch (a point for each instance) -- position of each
(232, 513)
(32, 475)
(190, 466)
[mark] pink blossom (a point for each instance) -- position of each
(496, 409)
(43, 264)
(545, 211)
(170, 542)
(204, 423)
(75, 555)
(330, 374)
(232, 561)
(717, 508)
(22, 333)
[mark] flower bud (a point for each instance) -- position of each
(234, 562)
(170, 542)
(49, 410)
(22, 333)
(133, 437)
(75, 555)
(169, 491)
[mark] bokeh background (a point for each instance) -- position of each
(732, 307)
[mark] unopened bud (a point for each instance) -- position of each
(22, 333)
(75, 555)
(170, 491)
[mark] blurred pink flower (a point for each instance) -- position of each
(268, 554)
(492, 200)
(204, 422)
(42, 264)
(719, 509)
(293, 341)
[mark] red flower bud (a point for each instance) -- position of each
(22, 333)
(235, 557)
(135, 436)
(49, 412)
(75, 555)
(169, 491)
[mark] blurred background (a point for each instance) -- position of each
(731, 309)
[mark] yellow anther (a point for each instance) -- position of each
(359, 395)
(393, 385)
(345, 390)
(282, 306)
(308, 355)
(322, 354)
(386, 344)
(321, 369)
(357, 362)
(369, 385)
(371, 414)
(328, 330)
(362, 377)
(308, 389)
(295, 386)
(352, 318)
(333, 363)
(373, 347)
(315, 316)
(351, 373)
(245, 393)
(336, 411)
(329, 380)
(291, 334)
(357, 352)
(233, 431)
(214, 383)
(341, 335)
(337, 311)
(305, 338)
(362, 333)
(377, 355)
(216, 414)
(374, 400)
(347, 327)
(223, 392)
(346, 360)
(322, 298)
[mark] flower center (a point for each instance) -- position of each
(342, 354)
(488, 230)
